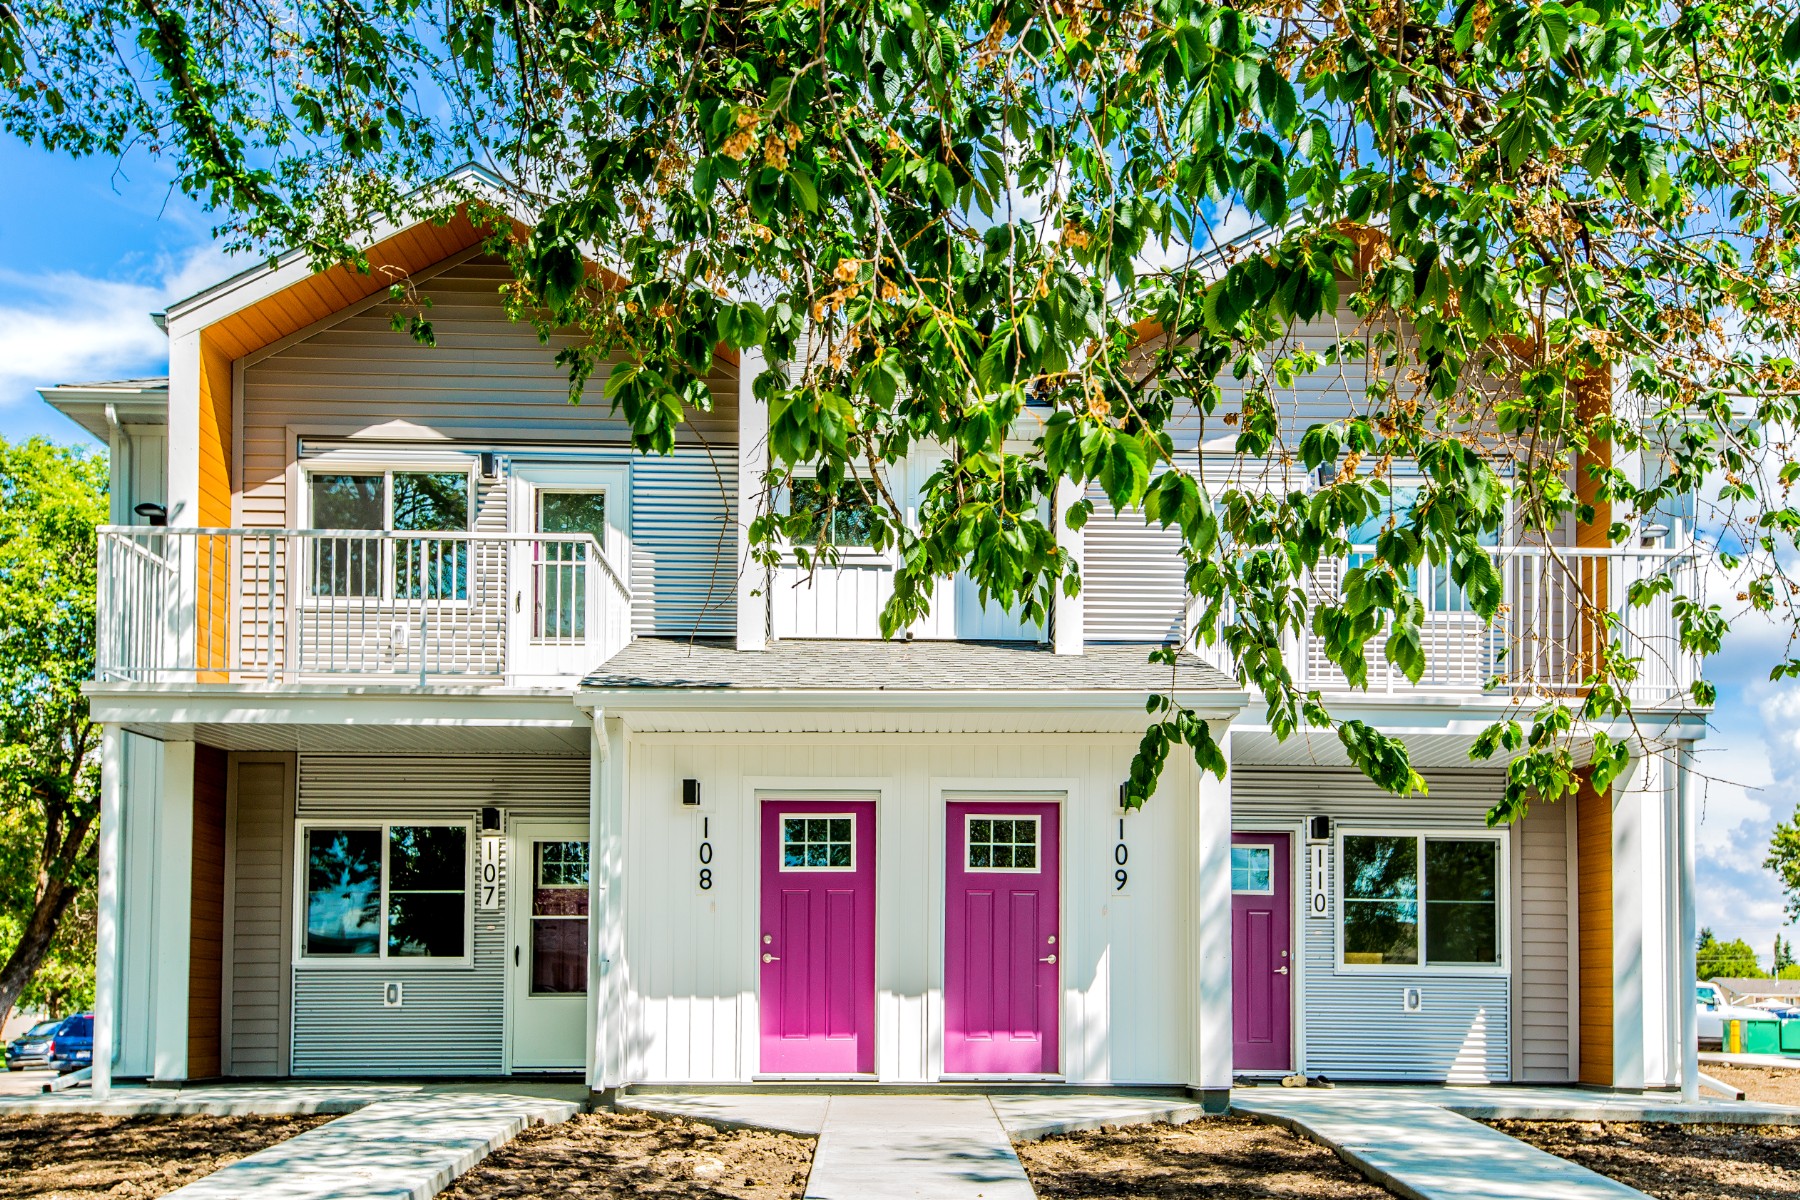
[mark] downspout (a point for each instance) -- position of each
(1689, 1019)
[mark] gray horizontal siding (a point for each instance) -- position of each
(261, 859)
(453, 1019)
(1133, 578)
(1354, 1026)
(1541, 970)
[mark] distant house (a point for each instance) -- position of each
(447, 735)
(1755, 991)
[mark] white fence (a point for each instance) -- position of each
(1561, 608)
(281, 605)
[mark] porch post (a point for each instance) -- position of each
(1641, 933)
(174, 913)
(1212, 1065)
(106, 917)
(1687, 1027)
(753, 465)
(607, 829)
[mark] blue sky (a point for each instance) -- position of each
(89, 249)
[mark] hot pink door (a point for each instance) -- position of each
(1001, 979)
(1261, 965)
(817, 945)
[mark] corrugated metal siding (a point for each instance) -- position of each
(453, 1020)
(1354, 1027)
(1132, 579)
(262, 862)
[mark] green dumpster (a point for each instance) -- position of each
(1790, 1037)
(1762, 1037)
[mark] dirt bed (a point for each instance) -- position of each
(1220, 1158)
(1766, 1085)
(1677, 1162)
(126, 1158)
(624, 1154)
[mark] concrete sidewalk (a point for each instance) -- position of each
(1422, 1151)
(915, 1148)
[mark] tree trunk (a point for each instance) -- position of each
(34, 940)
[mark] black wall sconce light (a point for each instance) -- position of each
(690, 792)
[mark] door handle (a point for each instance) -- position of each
(1281, 970)
(515, 956)
(1051, 959)
(769, 958)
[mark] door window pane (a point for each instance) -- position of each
(562, 567)
(343, 891)
(843, 518)
(1381, 900)
(817, 843)
(1003, 844)
(1462, 917)
(1252, 870)
(573, 512)
(559, 912)
(349, 566)
(428, 872)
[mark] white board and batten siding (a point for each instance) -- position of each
(1353, 1022)
(452, 1019)
(689, 972)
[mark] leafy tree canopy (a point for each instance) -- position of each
(1014, 230)
(1714, 959)
(51, 500)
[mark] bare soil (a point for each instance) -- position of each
(71, 1157)
(1220, 1158)
(1766, 1085)
(620, 1155)
(1677, 1162)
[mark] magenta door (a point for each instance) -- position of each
(1001, 946)
(817, 945)
(1261, 963)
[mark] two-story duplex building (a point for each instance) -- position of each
(447, 735)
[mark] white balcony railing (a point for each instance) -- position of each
(285, 605)
(1560, 607)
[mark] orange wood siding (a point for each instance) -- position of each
(206, 914)
(1594, 896)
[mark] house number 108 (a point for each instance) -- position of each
(706, 854)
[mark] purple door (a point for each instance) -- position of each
(817, 945)
(1261, 965)
(1001, 979)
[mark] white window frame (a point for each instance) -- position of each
(1269, 847)
(1037, 843)
(381, 960)
(847, 556)
(1502, 901)
(387, 468)
(781, 818)
(526, 478)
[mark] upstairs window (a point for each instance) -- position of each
(420, 502)
(1440, 593)
(844, 518)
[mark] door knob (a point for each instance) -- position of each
(1281, 970)
(769, 958)
(1051, 959)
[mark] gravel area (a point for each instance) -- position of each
(1219, 1158)
(69, 1157)
(628, 1155)
(1765, 1085)
(1677, 1162)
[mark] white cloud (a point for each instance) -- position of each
(63, 327)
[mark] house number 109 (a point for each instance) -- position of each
(706, 854)
(1121, 855)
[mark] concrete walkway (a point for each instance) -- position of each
(915, 1148)
(397, 1142)
(1423, 1151)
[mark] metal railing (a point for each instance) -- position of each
(1562, 610)
(284, 605)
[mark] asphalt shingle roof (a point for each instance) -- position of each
(919, 666)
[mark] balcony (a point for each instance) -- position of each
(1561, 606)
(285, 605)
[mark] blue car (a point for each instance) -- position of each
(32, 1048)
(72, 1045)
